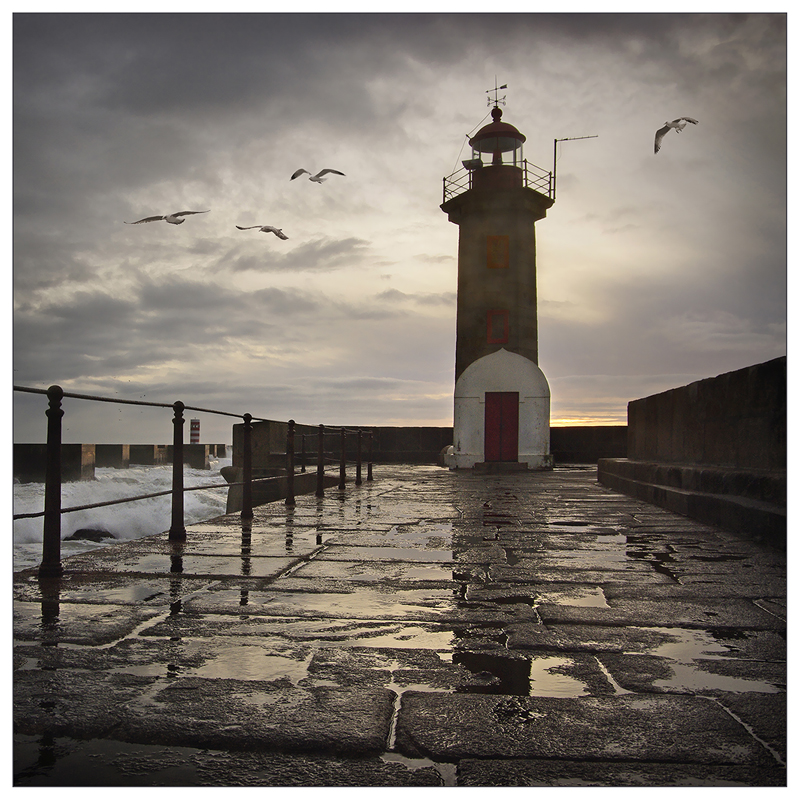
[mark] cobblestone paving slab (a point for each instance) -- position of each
(531, 772)
(431, 628)
(633, 727)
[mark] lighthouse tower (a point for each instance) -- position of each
(502, 399)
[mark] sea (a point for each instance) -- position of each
(124, 521)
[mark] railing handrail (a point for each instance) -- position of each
(122, 401)
(134, 498)
(533, 177)
(51, 540)
(99, 398)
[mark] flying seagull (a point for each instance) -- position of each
(679, 124)
(318, 177)
(171, 218)
(265, 229)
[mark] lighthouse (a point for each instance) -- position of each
(501, 414)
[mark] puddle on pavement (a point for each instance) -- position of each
(404, 637)
(388, 635)
(578, 597)
(693, 679)
(446, 770)
(366, 604)
(339, 552)
(537, 676)
(686, 646)
(251, 663)
(44, 760)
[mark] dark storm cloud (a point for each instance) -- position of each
(162, 320)
(318, 255)
(676, 264)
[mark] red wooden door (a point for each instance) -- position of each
(501, 426)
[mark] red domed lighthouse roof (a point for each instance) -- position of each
(497, 135)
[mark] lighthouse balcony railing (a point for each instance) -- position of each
(533, 177)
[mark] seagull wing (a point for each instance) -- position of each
(145, 219)
(270, 229)
(249, 228)
(326, 171)
(299, 173)
(184, 213)
(689, 119)
(660, 134)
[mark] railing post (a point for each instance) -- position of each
(51, 535)
(247, 472)
(177, 531)
(302, 452)
(371, 435)
(290, 501)
(343, 460)
(358, 459)
(321, 462)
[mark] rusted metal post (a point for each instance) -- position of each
(371, 435)
(247, 472)
(358, 459)
(303, 453)
(290, 464)
(342, 461)
(321, 462)
(51, 535)
(177, 531)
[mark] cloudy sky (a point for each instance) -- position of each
(653, 270)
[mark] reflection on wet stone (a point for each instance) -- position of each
(483, 626)
(50, 588)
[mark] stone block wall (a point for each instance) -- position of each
(117, 456)
(416, 445)
(587, 444)
(77, 462)
(735, 420)
(714, 450)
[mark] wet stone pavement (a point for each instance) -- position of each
(431, 628)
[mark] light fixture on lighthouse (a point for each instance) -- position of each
(501, 140)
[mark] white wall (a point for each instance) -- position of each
(502, 372)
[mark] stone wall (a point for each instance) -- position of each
(416, 445)
(587, 444)
(714, 450)
(733, 420)
(30, 462)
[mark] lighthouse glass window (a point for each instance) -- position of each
(497, 252)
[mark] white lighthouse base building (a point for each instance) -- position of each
(501, 414)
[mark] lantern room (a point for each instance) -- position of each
(497, 160)
(502, 140)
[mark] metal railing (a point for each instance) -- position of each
(533, 177)
(51, 541)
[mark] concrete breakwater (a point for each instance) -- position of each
(78, 461)
(430, 628)
(714, 450)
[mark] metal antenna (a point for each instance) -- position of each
(555, 145)
(496, 89)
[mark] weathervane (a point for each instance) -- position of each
(496, 89)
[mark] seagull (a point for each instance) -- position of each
(171, 218)
(679, 124)
(265, 229)
(318, 177)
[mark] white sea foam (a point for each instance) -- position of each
(124, 521)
